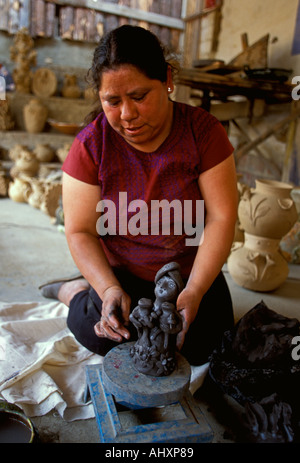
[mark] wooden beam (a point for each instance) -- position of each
(201, 14)
(125, 11)
(275, 128)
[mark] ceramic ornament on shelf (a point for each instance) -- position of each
(35, 116)
(266, 214)
(34, 195)
(26, 162)
(70, 87)
(23, 54)
(18, 189)
(44, 152)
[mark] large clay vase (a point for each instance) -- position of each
(257, 264)
(35, 116)
(267, 210)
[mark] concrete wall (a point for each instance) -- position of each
(257, 18)
(51, 52)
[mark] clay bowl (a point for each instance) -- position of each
(68, 128)
(15, 427)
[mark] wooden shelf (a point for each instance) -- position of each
(12, 137)
(60, 109)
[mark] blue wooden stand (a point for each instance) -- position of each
(131, 407)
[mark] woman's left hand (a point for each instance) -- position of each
(188, 303)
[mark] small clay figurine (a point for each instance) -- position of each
(23, 54)
(70, 87)
(6, 119)
(158, 324)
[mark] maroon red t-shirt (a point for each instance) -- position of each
(196, 143)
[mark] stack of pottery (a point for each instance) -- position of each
(266, 214)
(15, 151)
(26, 162)
(18, 189)
(35, 194)
(25, 167)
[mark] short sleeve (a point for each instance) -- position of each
(80, 164)
(215, 146)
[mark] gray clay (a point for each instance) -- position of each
(157, 324)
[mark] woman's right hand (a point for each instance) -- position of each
(115, 314)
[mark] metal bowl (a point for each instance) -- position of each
(15, 426)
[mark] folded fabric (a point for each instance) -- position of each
(42, 366)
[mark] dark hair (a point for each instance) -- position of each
(131, 45)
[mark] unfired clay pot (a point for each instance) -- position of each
(257, 264)
(15, 151)
(267, 210)
(44, 152)
(27, 163)
(70, 88)
(35, 194)
(62, 152)
(17, 190)
(35, 116)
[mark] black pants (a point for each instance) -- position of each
(215, 315)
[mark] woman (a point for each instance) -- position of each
(145, 146)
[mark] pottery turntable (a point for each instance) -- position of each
(131, 407)
(141, 391)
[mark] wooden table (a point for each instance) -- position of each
(220, 87)
(215, 87)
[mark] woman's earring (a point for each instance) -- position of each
(169, 90)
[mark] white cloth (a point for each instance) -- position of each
(42, 366)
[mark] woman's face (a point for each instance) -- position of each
(165, 289)
(136, 107)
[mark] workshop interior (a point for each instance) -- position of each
(238, 63)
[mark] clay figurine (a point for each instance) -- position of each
(6, 119)
(26, 163)
(23, 54)
(157, 324)
(70, 87)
